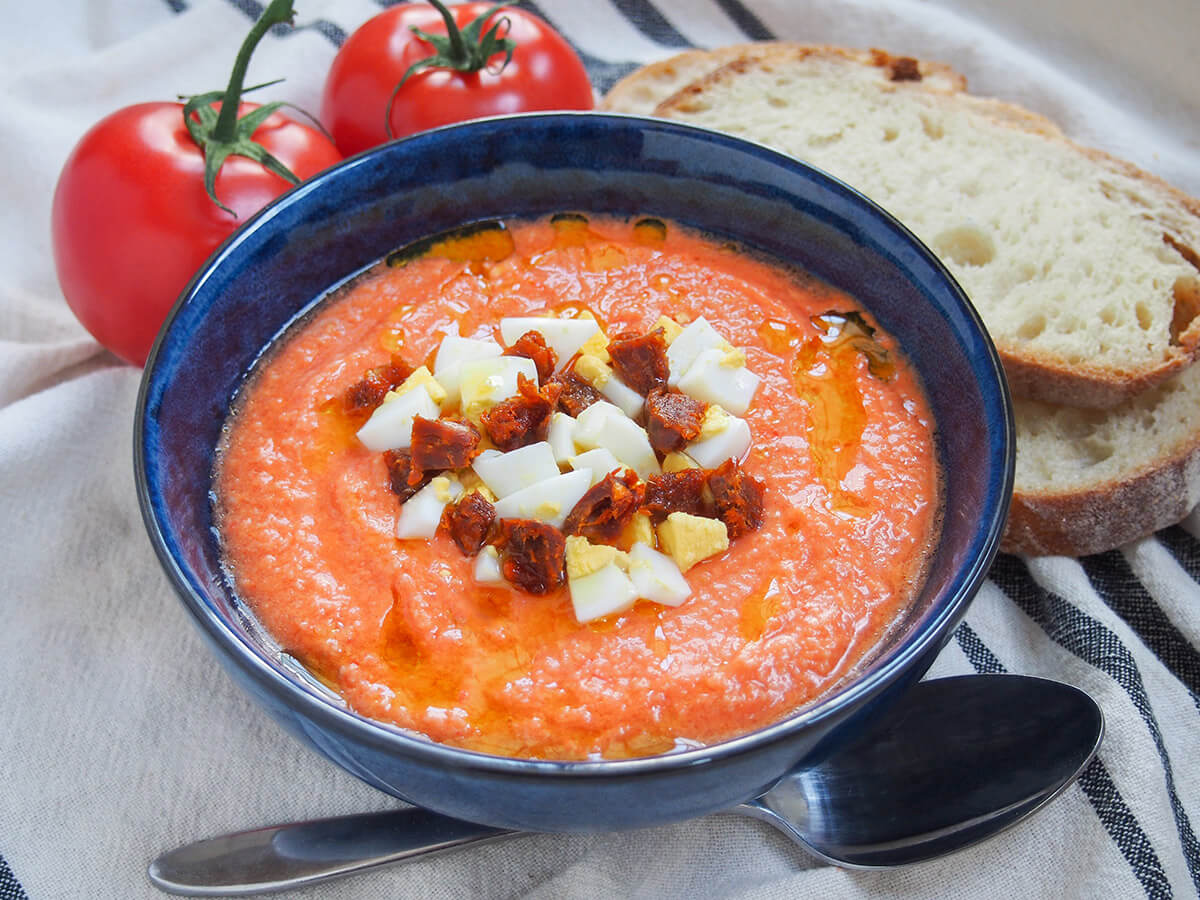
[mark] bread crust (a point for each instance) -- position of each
(1037, 375)
(643, 89)
(1112, 514)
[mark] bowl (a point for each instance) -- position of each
(338, 222)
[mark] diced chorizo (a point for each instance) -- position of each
(533, 346)
(673, 419)
(402, 472)
(737, 498)
(362, 397)
(523, 419)
(469, 522)
(641, 360)
(576, 395)
(682, 491)
(532, 554)
(440, 444)
(608, 506)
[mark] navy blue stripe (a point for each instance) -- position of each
(1096, 645)
(253, 9)
(1116, 584)
(977, 653)
(603, 74)
(176, 6)
(750, 24)
(10, 888)
(650, 22)
(1123, 827)
(1184, 547)
(1097, 785)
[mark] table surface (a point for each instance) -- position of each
(123, 738)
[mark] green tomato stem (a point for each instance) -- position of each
(459, 56)
(279, 11)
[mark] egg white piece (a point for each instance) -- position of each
(507, 473)
(485, 382)
(656, 577)
(565, 336)
(549, 501)
(731, 442)
(602, 593)
(452, 353)
(622, 396)
(421, 513)
(600, 460)
(561, 437)
(487, 567)
(710, 380)
(390, 425)
(604, 425)
(695, 338)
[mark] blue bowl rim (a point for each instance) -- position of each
(380, 735)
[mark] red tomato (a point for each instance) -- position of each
(544, 73)
(131, 221)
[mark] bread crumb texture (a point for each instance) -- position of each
(1091, 480)
(1081, 266)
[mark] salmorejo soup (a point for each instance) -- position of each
(579, 488)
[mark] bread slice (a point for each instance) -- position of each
(1091, 480)
(1085, 269)
(643, 89)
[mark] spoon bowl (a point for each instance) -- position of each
(955, 761)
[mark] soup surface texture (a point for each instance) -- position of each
(842, 440)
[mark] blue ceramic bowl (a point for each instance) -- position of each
(351, 215)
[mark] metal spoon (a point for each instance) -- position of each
(955, 761)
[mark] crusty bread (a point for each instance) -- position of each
(643, 89)
(1084, 268)
(1091, 480)
(1087, 480)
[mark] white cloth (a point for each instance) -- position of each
(122, 738)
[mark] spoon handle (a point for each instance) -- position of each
(283, 857)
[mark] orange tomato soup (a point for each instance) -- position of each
(401, 629)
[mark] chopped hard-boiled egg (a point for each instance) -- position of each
(596, 373)
(583, 557)
(689, 539)
(565, 336)
(487, 566)
(602, 593)
(548, 501)
(528, 483)
(656, 576)
(507, 473)
(639, 530)
(452, 353)
(485, 382)
(671, 329)
(677, 461)
(604, 425)
(561, 437)
(600, 460)
(420, 515)
(722, 437)
(424, 378)
(597, 346)
(720, 376)
(688, 344)
(390, 425)
(472, 482)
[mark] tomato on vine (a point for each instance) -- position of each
(153, 189)
(414, 67)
